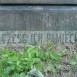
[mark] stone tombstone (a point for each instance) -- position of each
(22, 24)
(29, 24)
(38, 1)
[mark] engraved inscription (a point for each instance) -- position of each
(27, 37)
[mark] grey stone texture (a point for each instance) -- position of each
(40, 1)
(36, 18)
(38, 24)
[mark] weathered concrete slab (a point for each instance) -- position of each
(28, 24)
(19, 18)
(39, 1)
(44, 18)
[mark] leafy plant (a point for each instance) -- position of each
(17, 64)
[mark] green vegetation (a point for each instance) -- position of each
(44, 58)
